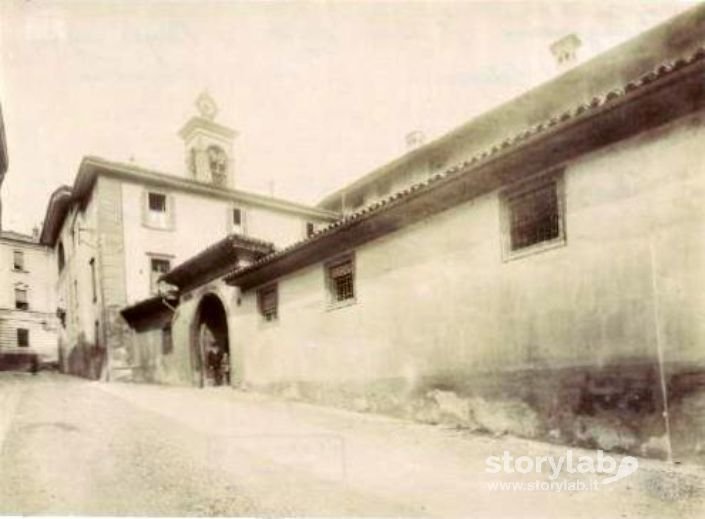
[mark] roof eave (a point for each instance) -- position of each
(652, 103)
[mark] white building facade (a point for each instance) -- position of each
(28, 322)
(120, 227)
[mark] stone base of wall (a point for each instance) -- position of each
(616, 408)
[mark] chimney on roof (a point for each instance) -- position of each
(565, 51)
(415, 139)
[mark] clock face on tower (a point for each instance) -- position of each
(206, 106)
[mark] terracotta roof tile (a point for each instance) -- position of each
(568, 116)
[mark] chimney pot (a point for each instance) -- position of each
(415, 139)
(565, 51)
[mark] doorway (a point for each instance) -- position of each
(210, 343)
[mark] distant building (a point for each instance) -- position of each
(28, 321)
(538, 270)
(120, 227)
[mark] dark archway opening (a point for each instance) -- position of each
(211, 345)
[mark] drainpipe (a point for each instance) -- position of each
(659, 347)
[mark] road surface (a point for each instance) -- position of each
(75, 447)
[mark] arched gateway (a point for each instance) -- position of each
(210, 344)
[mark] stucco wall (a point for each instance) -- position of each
(39, 278)
(437, 297)
(83, 240)
(39, 275)
(199, 221)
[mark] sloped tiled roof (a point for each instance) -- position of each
(215, 260)
(609, 70)
(90, 167)
(629, 90)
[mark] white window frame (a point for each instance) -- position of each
(240, 228)
(555, 178)
(164, 221)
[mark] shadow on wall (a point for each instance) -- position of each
(85, 359)
(616, 408)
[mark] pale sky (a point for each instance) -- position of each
(320, 92)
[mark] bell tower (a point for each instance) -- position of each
(209, 146)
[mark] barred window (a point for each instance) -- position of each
(268, 303)
(341, 281)
(534, 215)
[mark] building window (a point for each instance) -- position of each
(23, 337)
(94, 287)
(21, 302)
(158, 212)
(341, 281)
(18, 260)
(268, 303)
(60, 257)
(157, 268)
(167, 341)
(157, 202)
(310, 229)
(237, 220)
(534, 214)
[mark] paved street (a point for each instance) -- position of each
(71, 446)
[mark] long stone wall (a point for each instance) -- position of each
(567, 339)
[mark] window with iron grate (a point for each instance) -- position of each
(268, 303)
(534, 215)
(341, 281)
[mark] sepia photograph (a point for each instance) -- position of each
(352, 258)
